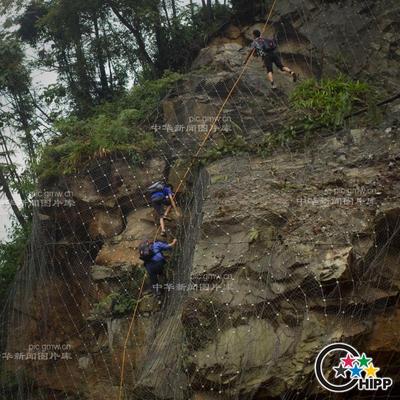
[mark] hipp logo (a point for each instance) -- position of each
(351, 370)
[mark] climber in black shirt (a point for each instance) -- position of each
(265, 48)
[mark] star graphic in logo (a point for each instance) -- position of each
(371, 371)
(348, 361)
(364, 360)
(356, 371)
(340, 371)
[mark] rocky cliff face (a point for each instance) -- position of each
(278, 255)
(305, 241)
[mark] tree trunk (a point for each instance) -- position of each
(12, 168)
(191, 9)
(173, 5)
(160, 41)
(84, 85)
(65, 67)
(209, 10)
(100, 60)
(20, 108)
(108, 55)
(144, 56)
(6, 190)
(164, 5)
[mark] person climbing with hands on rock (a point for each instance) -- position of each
(265, 48)
(161, 195)
(151, 253)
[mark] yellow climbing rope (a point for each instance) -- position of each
(203, 142)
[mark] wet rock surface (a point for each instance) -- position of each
(300, 239)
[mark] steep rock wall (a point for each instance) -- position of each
(301, 239)
(286, 261)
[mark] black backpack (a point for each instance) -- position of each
(264, 46)
(270, 44)
(146, 252)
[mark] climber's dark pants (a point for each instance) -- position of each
(272, 58)
(154, 269)
(159, 205)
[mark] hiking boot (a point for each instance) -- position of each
(273, 86)
(294, 76)
(163, 233)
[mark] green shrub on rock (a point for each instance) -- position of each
(326, 103)
(118, 126)
(116, 304)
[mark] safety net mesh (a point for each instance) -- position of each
(278, 254)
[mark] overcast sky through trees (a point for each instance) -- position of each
(40, 79)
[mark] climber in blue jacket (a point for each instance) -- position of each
(154, 260)
(162, 196)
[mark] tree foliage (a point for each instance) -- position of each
(17, 125)
(95, 49)
(17, 108)
(11, 255)
(97, 46)
(113, 126)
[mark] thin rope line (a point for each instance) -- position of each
(121, 383)
(206, 137)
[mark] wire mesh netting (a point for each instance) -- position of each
(278, 254)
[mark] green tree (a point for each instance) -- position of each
(17, 108)
(76, 39)
(17, 126)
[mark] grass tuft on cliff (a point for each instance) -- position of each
(121, 125)
(328, 102)
(322, 104)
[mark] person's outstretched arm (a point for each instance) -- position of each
(173, 243)
(162, 246)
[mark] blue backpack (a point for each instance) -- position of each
(155, 191)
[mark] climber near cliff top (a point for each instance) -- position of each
(151, 253)
(162, 195)
(265, 48)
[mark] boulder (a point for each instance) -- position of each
(357, 135)
(247, 353)
(106, 224)
(120, 180)
(102, 272)
(123, 250)
(225, 56)
(232, 32)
